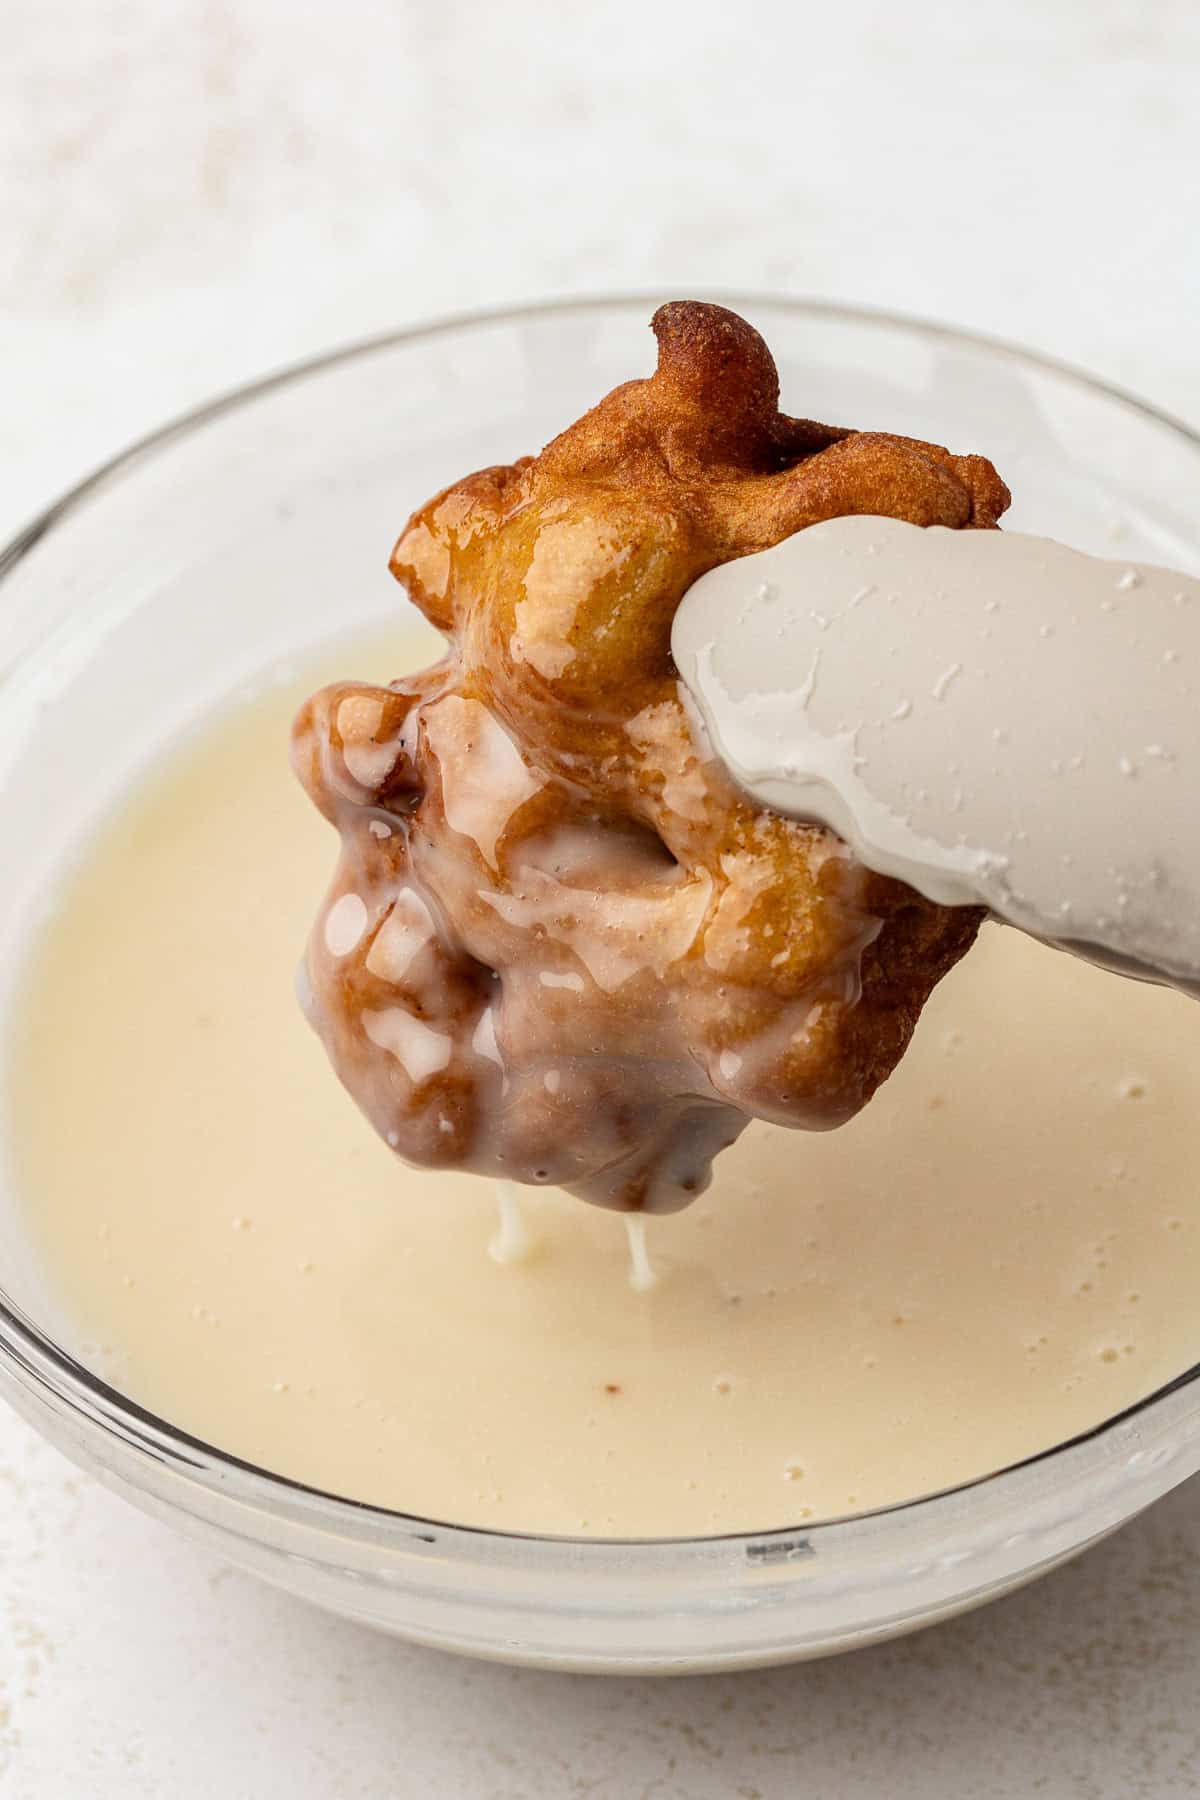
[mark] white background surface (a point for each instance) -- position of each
(196, 190)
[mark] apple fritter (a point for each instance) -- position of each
(562, 946)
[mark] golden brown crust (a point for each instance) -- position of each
(720, 960)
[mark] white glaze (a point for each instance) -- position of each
(404, 933)
(997, 1253)
(420, 1051)
(484, 776)
(345, 923)
(512, 1242)
(642, 1276)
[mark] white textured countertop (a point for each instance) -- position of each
(196, 190)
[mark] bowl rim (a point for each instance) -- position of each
(27, 1353)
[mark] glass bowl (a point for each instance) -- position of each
(237, 536)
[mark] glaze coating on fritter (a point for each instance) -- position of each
(561, 945)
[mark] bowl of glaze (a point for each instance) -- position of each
(209, 552)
